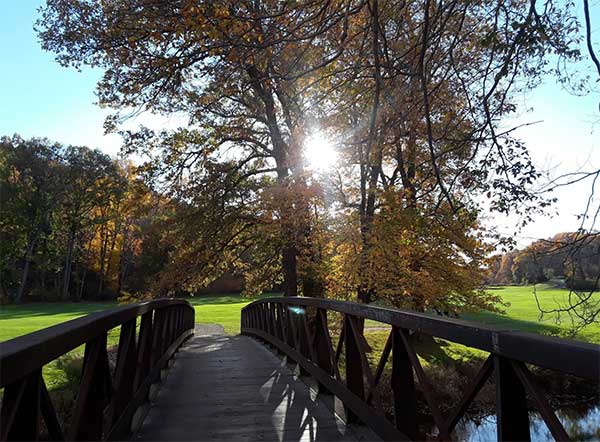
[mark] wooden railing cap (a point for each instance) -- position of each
(570, 356)
(24, 354)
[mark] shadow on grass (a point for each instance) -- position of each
(508, 323)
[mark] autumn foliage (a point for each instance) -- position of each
(411, 95)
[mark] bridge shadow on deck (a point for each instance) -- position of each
(233, 388)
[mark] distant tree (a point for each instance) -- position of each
(505, 271)
(90, 183)
(61, 214)
(28, 176)
(569, 259)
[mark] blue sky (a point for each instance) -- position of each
(40, 98)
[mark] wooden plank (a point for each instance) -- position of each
(371, 417)
(247, 394)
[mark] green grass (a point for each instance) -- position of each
(17, 320)
(225, 310)
(523, 313)
(21, 319)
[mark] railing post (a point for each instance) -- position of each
(164, 342)
(354, 370)
(144, 350)
(403, 386)
(94, 392)
(157, 335)
(512, 418)
(261, 317)
(279, 322)
(323, 347)
(124, 372)
(270, 323)
(20, 417)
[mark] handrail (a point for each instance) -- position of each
(105, 402)
(298, 327)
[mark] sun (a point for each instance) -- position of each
(319, 152)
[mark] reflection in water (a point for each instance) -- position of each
(579, 425)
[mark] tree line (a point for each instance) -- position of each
(571, 259)
(74, 224)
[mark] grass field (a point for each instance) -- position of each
(17, 320)
(522, 314)
(221, 309)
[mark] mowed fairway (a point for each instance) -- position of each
(17, 320)
(225, 310)
(523, 313)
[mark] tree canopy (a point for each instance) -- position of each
(414, 95)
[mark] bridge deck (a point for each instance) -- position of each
(232, 388)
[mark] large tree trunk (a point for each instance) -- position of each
(82, 285)
(365, 292)
(290, 274)
(281, 152)
(28, 255)
(67, 270)
(372, 170)
(103, 248)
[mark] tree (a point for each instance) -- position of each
(415, 92)
(60, 211)
(505, 272)
(227, 66)
(420, 94)
(28, 171)
(90, 181)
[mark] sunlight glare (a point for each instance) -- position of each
(319, 152)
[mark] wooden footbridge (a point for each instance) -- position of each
(287, 377)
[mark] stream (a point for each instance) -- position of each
(580, 425)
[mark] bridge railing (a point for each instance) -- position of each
(107, 398)
(298, 327)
